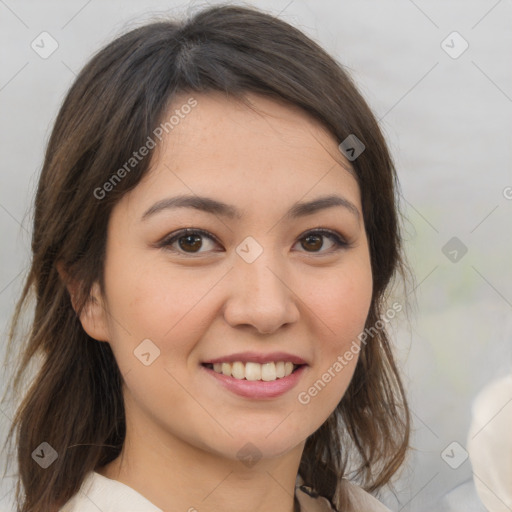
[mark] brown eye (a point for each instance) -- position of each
(192, 241)
(314, 241)
(188, 241)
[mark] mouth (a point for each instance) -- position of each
(252, 371)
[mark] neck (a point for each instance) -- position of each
(177, 476)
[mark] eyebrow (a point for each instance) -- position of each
(209, 205)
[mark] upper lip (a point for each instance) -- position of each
(256, 357)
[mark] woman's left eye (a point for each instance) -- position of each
(315, 238)
(192, 239)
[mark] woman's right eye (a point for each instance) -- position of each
(189, 241)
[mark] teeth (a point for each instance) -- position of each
(268, 371)
(255, 371)
(238, 370)
(252, 371)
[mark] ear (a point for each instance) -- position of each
(93, 316)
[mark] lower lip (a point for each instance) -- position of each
(258, 389)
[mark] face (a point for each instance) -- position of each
(272, 275)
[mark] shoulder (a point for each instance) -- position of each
(358, 499)
(362, 500)
(101, 493)
(98, 492)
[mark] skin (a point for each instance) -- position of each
(183, 429)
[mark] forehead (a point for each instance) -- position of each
(267, 152)
(228, 128)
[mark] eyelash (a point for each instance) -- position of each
(339, 242)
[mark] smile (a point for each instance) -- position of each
(248, 380)
(269, 371)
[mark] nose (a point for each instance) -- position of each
(261, 295)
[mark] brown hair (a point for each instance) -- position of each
(74, 402)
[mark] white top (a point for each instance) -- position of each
(99, 493)
(490, 445)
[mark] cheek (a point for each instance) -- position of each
(341, 303)
(340, 309)
(149, 299)
(172, 309)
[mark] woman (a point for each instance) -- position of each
(215, 231)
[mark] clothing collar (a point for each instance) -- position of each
(309, 500)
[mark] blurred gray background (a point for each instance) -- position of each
(446, 111)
